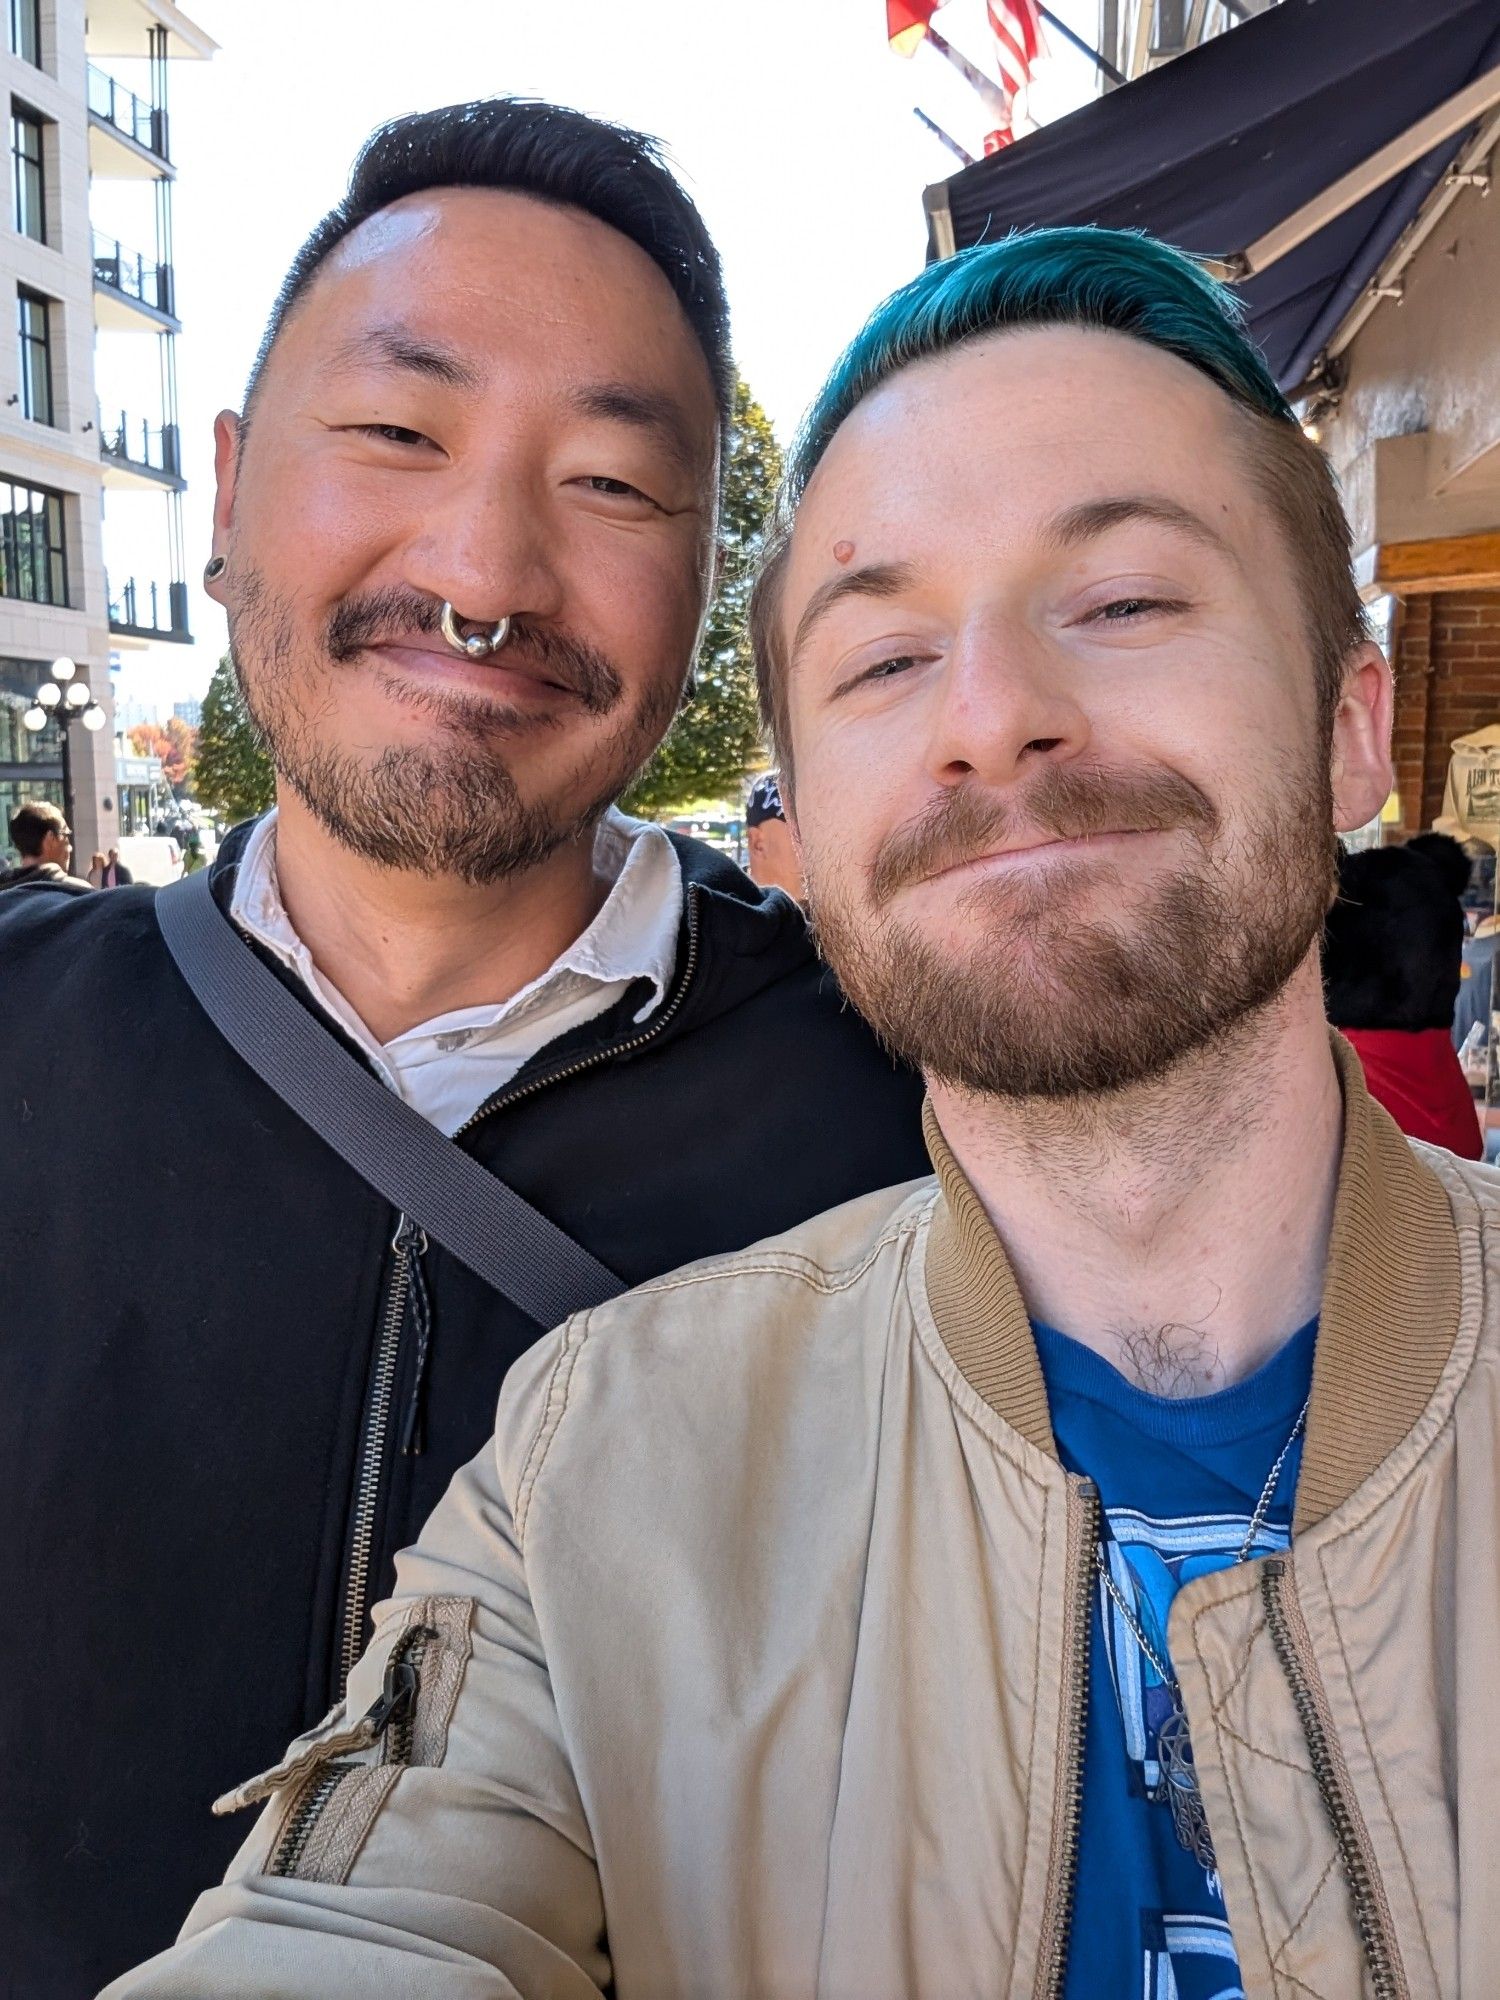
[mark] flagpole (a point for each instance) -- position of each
(1101, 63)
(991, 96)
(965, 159)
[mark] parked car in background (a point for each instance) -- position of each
(151, 857)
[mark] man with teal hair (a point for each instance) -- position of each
(1078, 1573)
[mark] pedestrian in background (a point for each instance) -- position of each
(773, 859)
(1392, 956)
(1477, 978)
(41, 836)
(115, 874)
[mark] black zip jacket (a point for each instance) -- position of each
(43, 875)
(214, 1432)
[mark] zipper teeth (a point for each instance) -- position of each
(1385, 1974)
(1076, 1635)
(504, 1098)
(304, 1816)
(371, 1460)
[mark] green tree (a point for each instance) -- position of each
(716, 736)
(232, 773)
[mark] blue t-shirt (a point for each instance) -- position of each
(1178, 1479)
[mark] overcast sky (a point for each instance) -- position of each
(789, 120)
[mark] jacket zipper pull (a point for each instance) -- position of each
(413, 1241)
(398, 1691)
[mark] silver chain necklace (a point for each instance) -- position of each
(1177, 1784)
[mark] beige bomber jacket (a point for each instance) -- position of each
(751, 1660)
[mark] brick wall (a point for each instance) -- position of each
(1447, 648)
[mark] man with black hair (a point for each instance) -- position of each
(40, 835)
(465, 536)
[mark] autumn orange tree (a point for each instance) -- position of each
(174, 741)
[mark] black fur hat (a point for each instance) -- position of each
(1446, 854)
(1393, 944)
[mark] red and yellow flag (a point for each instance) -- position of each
(907, 22)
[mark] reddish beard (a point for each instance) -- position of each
(1039, 1002)
(1060, 804)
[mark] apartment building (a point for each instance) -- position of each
(91, 554)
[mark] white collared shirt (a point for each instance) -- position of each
(446, 1068)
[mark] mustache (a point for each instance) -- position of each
(382, 615)
(1061, 804)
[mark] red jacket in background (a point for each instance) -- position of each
(1418, 1078)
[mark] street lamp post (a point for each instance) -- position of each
(65, 699)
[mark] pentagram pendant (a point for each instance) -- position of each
(1174, 1752)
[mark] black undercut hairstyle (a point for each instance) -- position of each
(519, 146)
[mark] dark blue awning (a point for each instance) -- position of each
(1213, 150)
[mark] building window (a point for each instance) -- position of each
(26, 31)
(30, 766)
(26, 170)
(33, 562)
(34, 331)
(19, 681)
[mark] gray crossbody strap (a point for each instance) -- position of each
(484, 1223)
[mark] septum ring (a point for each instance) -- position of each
(473, 645)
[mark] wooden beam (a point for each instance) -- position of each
(1460, 562)
(1453, 115)
(1140, 47)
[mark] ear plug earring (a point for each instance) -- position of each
(214, 568)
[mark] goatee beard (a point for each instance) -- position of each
(1040, 1004)
(452, 806)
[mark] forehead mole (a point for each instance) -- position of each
(843, 551)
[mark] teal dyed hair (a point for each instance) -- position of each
(1117, 281)
(1114, 279)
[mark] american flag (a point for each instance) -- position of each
(1017, 28)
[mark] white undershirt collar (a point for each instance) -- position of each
(448, 1066)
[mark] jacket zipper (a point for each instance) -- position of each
(395, 1714)
(393, 1718)
(1372, 1919)
(304, 1816)
(1062, 1862)
(408, 1240)
(372, 1451)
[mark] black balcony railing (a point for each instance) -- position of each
(149, 610)
(136, 276)
(147, 447)
(127, 113)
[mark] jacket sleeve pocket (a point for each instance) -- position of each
(429, 1835)
(334, 1780)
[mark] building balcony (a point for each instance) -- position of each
(120, 28)
(147, 611)
(131, 291)
(127, 136)
(139, 454)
